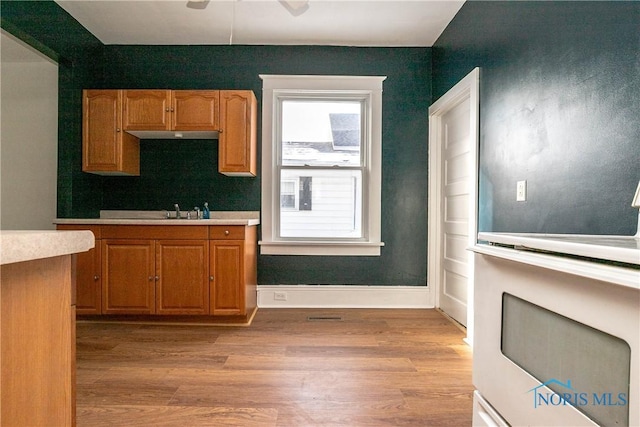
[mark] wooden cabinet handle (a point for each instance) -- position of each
(117, 129)
(211, 278)
(150, 278)
(220, 131)
(96, 277)
(226, 232)
(157, 278)
(166, 109)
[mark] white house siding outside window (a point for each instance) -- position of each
(321, 165)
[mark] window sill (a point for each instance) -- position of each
(321, 248)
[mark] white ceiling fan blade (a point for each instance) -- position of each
(295, 7)
(197, 4)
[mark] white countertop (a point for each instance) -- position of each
(624, 249)
(246, 218)
(19, 246)
(621, 254)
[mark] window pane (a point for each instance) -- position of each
(330, 204)
(321, 133)
(306, 202)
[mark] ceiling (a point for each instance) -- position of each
(265, 22)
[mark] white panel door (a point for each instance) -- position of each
(453, 189)
(456, 177)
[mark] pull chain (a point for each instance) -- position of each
(233, 18)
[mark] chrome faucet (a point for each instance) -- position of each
(177, 211)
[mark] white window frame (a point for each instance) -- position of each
(368, 87)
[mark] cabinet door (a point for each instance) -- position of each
(226, 270)
(128, 282)
(237, 143)
(183, 277)
(101, 124)
(195, 110)
(106, 149)
(147, 109)
(89, 281)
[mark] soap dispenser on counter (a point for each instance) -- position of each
(205, 211)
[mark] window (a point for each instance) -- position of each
(321, 165)
(288, 199)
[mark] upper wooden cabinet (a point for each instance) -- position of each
(106, 148)
(180, 110)
(146, 110)
(237, 146)
(115, 120)
(195, 110)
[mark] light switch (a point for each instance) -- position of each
(521, 191)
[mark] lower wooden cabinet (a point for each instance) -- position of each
(37, 352)
(88, 274)
(89, 281)
(182, 281)
(226, 277)
(128, 284)
(233, 270)
(168, 270)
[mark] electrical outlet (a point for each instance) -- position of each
(521, 191)
(280, 296)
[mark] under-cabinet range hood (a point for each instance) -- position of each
(172, 134)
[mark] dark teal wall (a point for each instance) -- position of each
(186, 171)
(559, 107)
(559, 103)
(48, 28)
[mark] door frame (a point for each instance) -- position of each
(469, 86)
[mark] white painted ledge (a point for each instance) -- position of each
(320, 248)
(344, 296)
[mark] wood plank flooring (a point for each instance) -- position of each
(371, 368)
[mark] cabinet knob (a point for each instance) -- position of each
(211, 278)
(117, 129)
(150, 278)
(96, 277)
(220, 131)
(226, 232)
(157, 278)
(166, 109)
(172, 109)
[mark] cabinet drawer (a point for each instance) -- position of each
(158, 232)
(226, 232)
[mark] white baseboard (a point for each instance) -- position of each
(344, 296)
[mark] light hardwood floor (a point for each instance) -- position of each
(371, 368)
